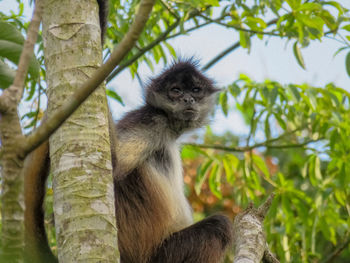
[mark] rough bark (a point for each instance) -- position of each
(249, 239)
(12, 198)
(12, 202)
(79, 149)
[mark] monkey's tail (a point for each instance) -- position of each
(36, 170)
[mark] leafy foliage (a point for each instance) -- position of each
(11, 43)
(303, 158)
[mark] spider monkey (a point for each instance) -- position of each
(153, 216)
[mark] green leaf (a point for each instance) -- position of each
(327, 230)
(234, 89)
(312, 95)
(347, 28)
(291, 3)
(298, 55)
(336, 5)
(273, 95)
(31, 91)
(7, 75)
(230, 163)
(201, 176)
(12, 51)
(260, 163)
(170, 49)
(340, 196)
(313, 22)
(340, 50)
(295, 93)
(244, 39)
(210, 2)
(309, 7)
(314, 170)
(347, 63)
(280, 121)
(189, 152)
(223, 102)
(114, 95)
(329, 20)
(267, 126)
(214, 181)
(10, 33)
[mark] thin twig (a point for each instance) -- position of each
(269, 257)
(249, 148)
(270, 33)
(163, 37)
(264, 208)
(337, 251)
(15, 92)
(221, 55)
(38, 107)
(57, 118)
(231, 48)
(142, 51)
(170, 10)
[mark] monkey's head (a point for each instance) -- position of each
(183, 92)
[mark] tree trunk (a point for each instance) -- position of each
(80, 149)
(12, 198)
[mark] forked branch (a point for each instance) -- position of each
(249, 238)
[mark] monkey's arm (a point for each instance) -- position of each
(131, 149)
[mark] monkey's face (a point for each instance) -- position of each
(183, 92)
(185, 100)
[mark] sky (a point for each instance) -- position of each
(271, 58)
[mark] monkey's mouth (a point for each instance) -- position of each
(189, 114)
(190, 111)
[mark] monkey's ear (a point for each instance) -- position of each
(214, 90)
(154, 98)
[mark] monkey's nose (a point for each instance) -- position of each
(189, 100)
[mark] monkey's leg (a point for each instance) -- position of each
(36, 170)
(203, 242)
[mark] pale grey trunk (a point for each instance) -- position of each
(79, 149)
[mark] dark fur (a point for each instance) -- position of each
(148, 230)
(103, 6)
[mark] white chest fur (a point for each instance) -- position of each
(171, 187)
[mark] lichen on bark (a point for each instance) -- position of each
(79, 149)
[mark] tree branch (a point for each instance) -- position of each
(249, 148)
(249, 239)
(221, 55)
(142, 51)
(240, 28)
(337, 251)
(12, 211)
(14, 93)
(170, 10)
(163, 37)
(229, 50)
(57, 118)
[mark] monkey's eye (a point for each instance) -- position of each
(176, 91)
(196, 90)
